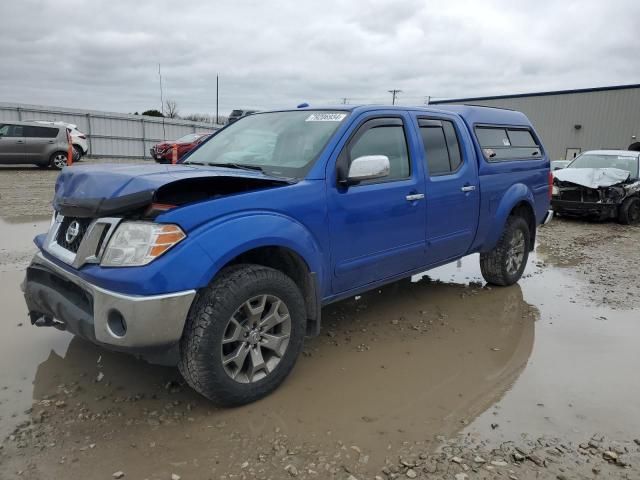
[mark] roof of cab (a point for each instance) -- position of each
(470, 113)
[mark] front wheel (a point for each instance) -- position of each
(505, 264)
(243, 335)
(630, 211)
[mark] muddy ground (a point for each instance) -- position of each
(436, 377)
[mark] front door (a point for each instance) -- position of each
(377, 227)
(452, 190)
(12, 144)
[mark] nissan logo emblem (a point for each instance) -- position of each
(73, 230)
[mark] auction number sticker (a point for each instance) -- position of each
(326, 117)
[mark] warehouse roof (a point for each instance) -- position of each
(537, 94)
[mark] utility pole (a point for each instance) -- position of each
(164, 133)
(344, 100)
(216, 99)
(393, 95)
(427, 100)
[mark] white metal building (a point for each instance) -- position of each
(572, 121)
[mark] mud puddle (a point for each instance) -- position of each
(439, 355)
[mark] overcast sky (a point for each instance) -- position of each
(104, 54)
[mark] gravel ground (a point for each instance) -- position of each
(441, 377)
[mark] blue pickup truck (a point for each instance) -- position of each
(221, 264)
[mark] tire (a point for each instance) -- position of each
(505, 263)
(78, 153)
(56, 160)
(211, 321)
(629, 212)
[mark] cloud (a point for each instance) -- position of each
(104, 54)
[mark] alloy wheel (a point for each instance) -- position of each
(60, 160)
(256, 338)
(515, 252)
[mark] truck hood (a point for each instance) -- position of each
(592, 177)
(113, 189)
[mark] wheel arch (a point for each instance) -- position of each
(517, 200)
(292, 264)
(273, 241)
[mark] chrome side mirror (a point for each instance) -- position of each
(368, 167)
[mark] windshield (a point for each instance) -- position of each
(622, 162)
(283, 144)
(190, 137)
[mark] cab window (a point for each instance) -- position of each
(383, 137)
(441, 146)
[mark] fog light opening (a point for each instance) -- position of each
(116, 324)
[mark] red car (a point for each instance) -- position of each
(163, 152)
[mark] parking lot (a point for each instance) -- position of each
(437, 377)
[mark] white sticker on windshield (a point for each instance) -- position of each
(505, 142)
(326, 117)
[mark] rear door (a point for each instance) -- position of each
(12, 143)
(377, 227)
(452, 194)
(39, 142)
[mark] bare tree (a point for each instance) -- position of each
(171, 108)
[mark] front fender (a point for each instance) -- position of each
(230, 237)
(517, 193)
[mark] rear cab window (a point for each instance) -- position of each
(499, 143)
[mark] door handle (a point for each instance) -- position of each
(19, 141)
(51, 141)
(414, 196)
(468, 188)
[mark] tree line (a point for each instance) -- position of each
(171, 111)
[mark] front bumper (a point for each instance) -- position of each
(585, 209)
(57, 297)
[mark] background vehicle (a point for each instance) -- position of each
(163, 152)
(79, 139)
(236, 250)
(236, 114)
(559, 164)
(33, 143)
(600, 184)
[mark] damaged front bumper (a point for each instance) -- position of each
(137, 324)
(585, 209)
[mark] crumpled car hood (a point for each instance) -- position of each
(89, 190)
(592, 177)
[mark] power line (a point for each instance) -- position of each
(393, 95)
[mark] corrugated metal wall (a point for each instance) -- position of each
(608, 118)
(110, 134)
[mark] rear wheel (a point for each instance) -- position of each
(58, 160)
(629, 212)
(243, 335)
(505, 264)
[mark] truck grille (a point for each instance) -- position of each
(71, 233)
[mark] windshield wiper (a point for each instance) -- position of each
(239, 166)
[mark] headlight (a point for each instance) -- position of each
(555, 190)
(138, 243)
